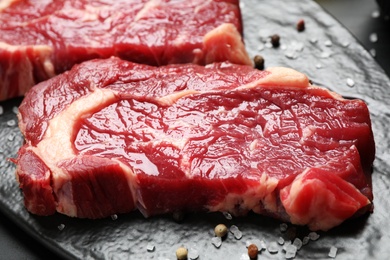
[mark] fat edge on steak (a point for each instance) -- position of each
(111, 136)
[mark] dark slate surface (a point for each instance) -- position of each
(329, 64)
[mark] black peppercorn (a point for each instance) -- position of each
(259, 62)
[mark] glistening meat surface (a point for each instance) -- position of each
(40, 39)
(112, 136)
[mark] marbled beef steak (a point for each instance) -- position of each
(40, 39)
(111, 136)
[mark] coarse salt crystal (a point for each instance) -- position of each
(328, 43)
(268, 45)
(15, 110)
(261, 47)
(314, 236)
(227, 215)
(273, 248)
(11, 137)
(373, 52)
(193, 254)
(332, 252)
(233, 229)
(114, 217)
(375, 14)
(150, 248)
(283, 227)
(1, 110)
(350, 82)
(238, 234)
(305, 240)
(298, 243)
(373, 37)
(11, 122)
(291, 250)
(345, 44)
(216, 241)
(291, 54)
(61, 227)
(325, 54)
(244, 257)
(280, 241)
(319, 66)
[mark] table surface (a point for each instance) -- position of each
(361, 21)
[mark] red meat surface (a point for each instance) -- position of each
(111, 136)
(40, 39)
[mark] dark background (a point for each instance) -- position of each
(358, 16)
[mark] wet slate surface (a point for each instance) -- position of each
(329, 55)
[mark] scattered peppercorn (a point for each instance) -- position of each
(301, 25)
(259, 62)
(220, 230)
(275, 40)
(181, 253)
(253, 251)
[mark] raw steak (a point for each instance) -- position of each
(111, 136)
(39, 39)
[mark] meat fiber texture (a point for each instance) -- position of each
(40, 39)
(111, 136)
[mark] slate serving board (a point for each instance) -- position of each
(332, 58)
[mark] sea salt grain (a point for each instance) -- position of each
(305, 240)
(238, 234)
(1, 110)
(314, 236)
(373, 37)
(319, 66)
(332, 252)
(273, 248)
(280, 241)
(298, 243)
(328, 43)
(227, 215)
(15, 110)
(373, 52)
(150, 248)
(345, 44)
(350, 82)
(61, 227)
(193, 254)
(291, 251)
(283, 227)
(375, 14)
(11, 137)
(114, 217)
(216, 241)
(325, 54)
(11, 122)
